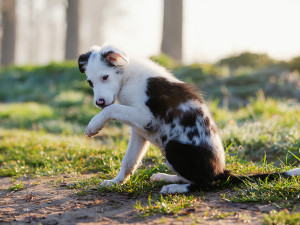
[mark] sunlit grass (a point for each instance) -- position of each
(39, 153)
(165, 204)
(282, 192)
(138, 185)
(17, 186)
(281, 218)
(50, 118)
(29, 111)
(69, 98)
(43, 119)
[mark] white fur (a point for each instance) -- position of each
(175, 188)
(129, 88)
(125, 114)
(106, 90)
(165, 178)
(137, 147)
(127, 83)
(108, 48)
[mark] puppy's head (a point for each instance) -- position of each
(103, 68)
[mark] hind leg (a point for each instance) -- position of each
(171, 188)
(166, 178)
(175, 188)
(196, 164)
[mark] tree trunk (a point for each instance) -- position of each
(172, 29)
(72, 39)
(9, 32)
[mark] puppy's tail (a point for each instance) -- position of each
(237, 179)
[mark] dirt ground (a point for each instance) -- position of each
(47, 201)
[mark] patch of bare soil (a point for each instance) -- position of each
(46, 201)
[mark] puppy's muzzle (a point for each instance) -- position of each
(100, 102)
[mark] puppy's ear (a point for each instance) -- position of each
(115, 59)
(82, 61)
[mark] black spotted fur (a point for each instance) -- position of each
(196, 163)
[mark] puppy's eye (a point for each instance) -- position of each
(105, 77)
(90, 83)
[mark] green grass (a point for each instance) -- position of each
(40, 153)
(236, 91)
(281, 218)
(165, 204)
(138, 185)
(217, 214)
(54, 98)
(43, 118)
(263, 127)
(282, 192)
(40, 83)
(17, 186)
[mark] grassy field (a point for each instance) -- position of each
(44, 110)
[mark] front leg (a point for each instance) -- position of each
(125, 114)
(137, 148)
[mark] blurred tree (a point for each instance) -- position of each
(165, 61)
(294, 63)
(247, 59)
(172, 29)
(9, 32)
(72, 39)
(98, 18)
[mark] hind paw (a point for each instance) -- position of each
(157, 177)
(175, 188)
(165, 177)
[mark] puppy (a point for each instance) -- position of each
(163, 111)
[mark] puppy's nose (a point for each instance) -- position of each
(100, 102)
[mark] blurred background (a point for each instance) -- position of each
(38, 32)
(244, 56)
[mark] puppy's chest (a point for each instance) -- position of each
(133, 94)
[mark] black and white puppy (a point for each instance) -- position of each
(160, 110)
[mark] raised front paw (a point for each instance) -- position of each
(91, 130)
(94, 126)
